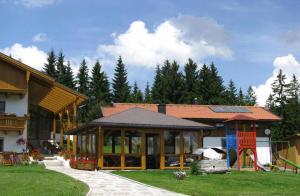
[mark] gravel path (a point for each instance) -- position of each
(105, 183)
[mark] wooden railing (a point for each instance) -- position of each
(246, 139)
(12, 123)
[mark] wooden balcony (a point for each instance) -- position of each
(12, 123)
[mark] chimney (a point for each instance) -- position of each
(161, 108)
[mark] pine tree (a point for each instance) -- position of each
(241, 97)
(157, 87)
(121, 88)
(204, 84)
(172, 83)
(147, 97)
(82, 87)
(83, 78)
(216, 89)
(231, 94)
(61, 68)
(137, 95)
(49, 67)
(99, 85)
(250, 98)
(191, 84)
(279, 87)
(69, 76)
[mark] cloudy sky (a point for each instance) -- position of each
(249, 42)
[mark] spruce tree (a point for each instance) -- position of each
(121, 88)
(137, 95)
(82, 87)
(241, 98)
(216, 89)
(250, 98)
(205, 80)
(172, 83)
(49, 67)
(61, 68)
(147, 93)
(191, 84)
(99, 85)
(231, 94)
(279, 88)
(83, 78)
(69, 76)
(157, 87)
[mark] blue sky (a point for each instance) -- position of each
(247, 40)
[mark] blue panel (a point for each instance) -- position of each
(229, 109)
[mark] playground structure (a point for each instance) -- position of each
(283, 152)
(241, 136)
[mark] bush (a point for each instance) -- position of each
(194, 168)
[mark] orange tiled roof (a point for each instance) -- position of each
(193, 111)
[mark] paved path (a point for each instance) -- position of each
(104, 183)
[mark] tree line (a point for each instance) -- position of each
(190, 86)
(284, 101)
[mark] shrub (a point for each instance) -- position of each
(194, 168)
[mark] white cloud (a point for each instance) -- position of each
(30, 55)
(289, 66)
(36, 3)
(40, 37)
(178, 38)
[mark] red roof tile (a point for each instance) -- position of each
(193, 111)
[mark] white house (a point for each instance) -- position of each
(33, 107)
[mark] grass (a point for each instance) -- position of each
(235, 183)
(36, 180)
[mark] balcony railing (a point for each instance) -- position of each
(12, 123)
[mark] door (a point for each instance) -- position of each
(152, 151)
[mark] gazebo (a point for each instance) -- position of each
(140, 139)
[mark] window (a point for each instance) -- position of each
(1, 144)
(2, 107)
(133, 143)
(172, 148)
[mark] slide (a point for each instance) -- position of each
(289, 162)
(259, 164)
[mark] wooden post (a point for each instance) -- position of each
(68, 128)
(100, 149)
(54, 128)
(61, 139)
(162, 150)
(143, 143)
(181, 139)
(122, 148)
(74, 126)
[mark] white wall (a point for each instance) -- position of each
(10, 139)
(15, 104)
(262, 147)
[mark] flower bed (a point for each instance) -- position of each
(83, 163)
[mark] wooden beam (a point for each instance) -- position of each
(68, 128)
(143, 145)
(74, 126)
(54, 128)
(61, 139)
(122, 148)
(162, 150)
(100, 148)
(181, 139)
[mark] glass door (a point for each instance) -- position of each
(152, 151)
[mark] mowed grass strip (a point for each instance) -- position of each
(36, 180)
(235, 183)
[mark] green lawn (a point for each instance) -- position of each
(235, 183)
(36, 180)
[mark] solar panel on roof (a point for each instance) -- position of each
(229, 109)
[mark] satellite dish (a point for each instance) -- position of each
(267, 131)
